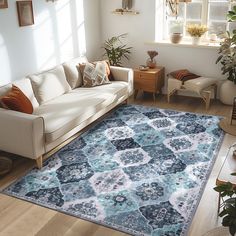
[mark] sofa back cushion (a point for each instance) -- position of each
(50, 84)
(25, 86)
(73, 76)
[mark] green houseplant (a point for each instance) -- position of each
(115, 50)
(228, 205)
(227, 58)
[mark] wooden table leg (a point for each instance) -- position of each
(154, 97)
(135, 93)
(218, 210)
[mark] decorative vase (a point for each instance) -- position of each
(151, 63)
(126, 4)
(196, 40)
(175, 37)
(227, 92)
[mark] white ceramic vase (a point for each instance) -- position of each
(227, 92)
(196, 40)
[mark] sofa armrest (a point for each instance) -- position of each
(21, 134)
(124, 74)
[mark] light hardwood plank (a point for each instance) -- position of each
(19, 217)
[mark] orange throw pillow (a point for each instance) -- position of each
(17, 101)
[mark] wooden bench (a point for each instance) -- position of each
(201, 86)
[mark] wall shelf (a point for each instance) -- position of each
(125, 12)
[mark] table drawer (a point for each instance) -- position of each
(143, 75)
(145, 84)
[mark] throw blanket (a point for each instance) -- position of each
(183, 75)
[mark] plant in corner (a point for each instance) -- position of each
(228, 206)
(115, 50)
(227, 58)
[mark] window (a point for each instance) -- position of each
(208, 12)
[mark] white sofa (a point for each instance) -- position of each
(62, 107)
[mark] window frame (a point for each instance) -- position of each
(205, 15)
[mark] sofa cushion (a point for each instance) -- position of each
(25, 86)
(16, 100)
(64, 113)
(95, 75)
(81, 67)
(50, 84)
(73, 76)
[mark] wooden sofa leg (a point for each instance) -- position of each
(168, 98)
(215, 91)
(39, 162)
(207, 99)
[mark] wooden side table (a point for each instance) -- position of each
(151, 80)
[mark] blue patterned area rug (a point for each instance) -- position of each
(141, 170)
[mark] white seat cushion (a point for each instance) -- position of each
(173, 84)
(199, 84)
(64, 113)
(25, 86)
(73, 76)
(50, 84)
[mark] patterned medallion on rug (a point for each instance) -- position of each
(141, 170)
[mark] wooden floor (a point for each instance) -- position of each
(20, 218)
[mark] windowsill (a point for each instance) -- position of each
(186, 44)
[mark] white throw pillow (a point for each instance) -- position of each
(73, 76)
(50, 84)
(25, 86)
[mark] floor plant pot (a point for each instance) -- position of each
(227, 92)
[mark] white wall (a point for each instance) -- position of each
(62, 30)
(141, 29)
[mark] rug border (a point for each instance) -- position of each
(202, 189)
(186, 226)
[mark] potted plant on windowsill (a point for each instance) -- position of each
(115, 50)
(196, 31)
(228, 205)
(227, 58)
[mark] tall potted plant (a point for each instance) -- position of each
(227, 58)
(228, 205)
(115, 50)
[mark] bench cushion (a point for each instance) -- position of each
(199, 84)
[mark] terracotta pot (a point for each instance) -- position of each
(227, 92)
(176, 37)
